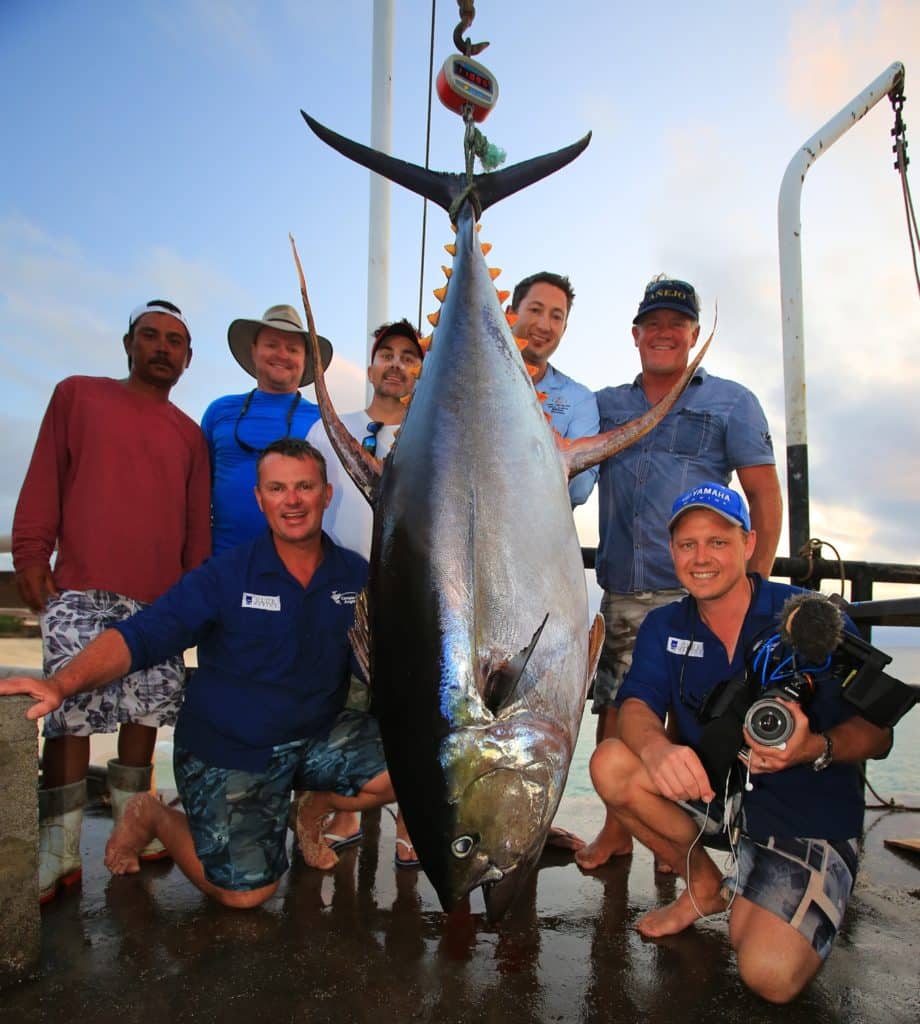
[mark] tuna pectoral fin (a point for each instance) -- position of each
(502, 680)
(595, 643)
(360, 636)
(584, 452)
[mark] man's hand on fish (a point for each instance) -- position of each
(46, 692)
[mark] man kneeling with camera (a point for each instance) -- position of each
(790, 810)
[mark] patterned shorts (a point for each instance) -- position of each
(805, 882)
(150, 696)
(623, 615)
(238, 819)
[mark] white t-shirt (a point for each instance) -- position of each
(349, 518)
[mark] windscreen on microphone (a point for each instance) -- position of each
(811, 624)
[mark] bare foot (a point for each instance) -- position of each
(608, 843)
(131, 835)
(563, 839)
(680, 914)
(310, 827)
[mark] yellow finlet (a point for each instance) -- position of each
(406, 399)
(512, 318)
(503, 296)
(414, 371)
(440, 293)
(542, 396)
(451, 248)
(447, 271)
(478, 228)
(520, 342)
(532, 370)
(434, 317)
(486, 248)
(494, 272)
(453, 227)
(424, 343)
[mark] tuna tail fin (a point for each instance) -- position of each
(585, 452)
(502, 682)
(449, 190)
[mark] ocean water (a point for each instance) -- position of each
(896, 778)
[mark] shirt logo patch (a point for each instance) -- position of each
(678, 645)
(348, 597)
(265, 602)
(556, 405)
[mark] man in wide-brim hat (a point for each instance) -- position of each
(276, 351)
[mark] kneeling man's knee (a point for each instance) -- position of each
(247, 899)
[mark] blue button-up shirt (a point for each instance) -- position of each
(273, 656)
(573, 410)
(714, 428)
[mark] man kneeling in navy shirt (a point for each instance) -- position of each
(263, 714)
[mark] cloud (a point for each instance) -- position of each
(832, 44)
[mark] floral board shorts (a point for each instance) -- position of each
(623, 615)
(239, 819)
(149, 696)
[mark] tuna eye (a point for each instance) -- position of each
(463, 846)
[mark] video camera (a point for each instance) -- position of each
(811, 642)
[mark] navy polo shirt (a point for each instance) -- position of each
(273, 656)
(676, 663)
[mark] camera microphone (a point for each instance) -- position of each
(812, 624)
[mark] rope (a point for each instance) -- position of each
(421, 269)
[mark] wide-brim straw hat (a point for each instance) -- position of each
(242, 333)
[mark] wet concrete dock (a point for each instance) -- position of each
(366, 942)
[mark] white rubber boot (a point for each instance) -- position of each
(124, 782)
(60, 821)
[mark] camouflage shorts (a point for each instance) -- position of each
(623, 615)
(150, 696)
(238, 819)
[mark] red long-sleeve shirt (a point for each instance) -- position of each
(121, 482)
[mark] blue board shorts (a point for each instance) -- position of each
(239, 819)
(804, 882)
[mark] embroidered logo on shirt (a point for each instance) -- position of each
(348, 597)
(678, 645)
(265, 602)
(556, 405)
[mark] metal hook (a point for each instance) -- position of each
(467, 13)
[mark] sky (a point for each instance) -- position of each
(156, 150)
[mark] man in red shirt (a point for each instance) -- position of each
(119, 483)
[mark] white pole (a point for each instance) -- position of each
(378, 235)
(790, 274)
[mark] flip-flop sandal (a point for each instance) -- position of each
(341, 842)
(405, 862)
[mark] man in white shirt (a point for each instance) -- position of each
(396, 358)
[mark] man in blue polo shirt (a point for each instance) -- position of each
(263, 714)
(795, 840)
(715, 428)
(542, 303)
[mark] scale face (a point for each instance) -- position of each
(463, 80)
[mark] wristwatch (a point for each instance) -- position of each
(824, 759)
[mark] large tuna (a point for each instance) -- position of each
(475, 617)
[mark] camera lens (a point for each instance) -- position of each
(769, 722)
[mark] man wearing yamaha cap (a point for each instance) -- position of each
(801, 814)
(118, 482)
(274, 350)
(715, 428)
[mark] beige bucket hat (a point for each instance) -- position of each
(242, 333)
